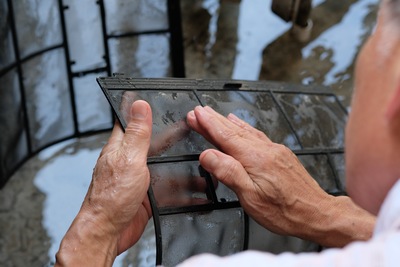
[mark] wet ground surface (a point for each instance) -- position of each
(223, 39)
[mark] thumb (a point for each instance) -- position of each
(226, 169)
(138, 130)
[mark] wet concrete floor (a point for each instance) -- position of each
(222, 39)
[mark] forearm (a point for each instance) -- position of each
(338, 222)
(85, 244)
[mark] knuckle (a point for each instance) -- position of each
(275, 153)
(282, 150)
(227, 171)
(228, 135)
(116, 163)
(259, 134)
(112, 165)
(283, 157)
(138, 130)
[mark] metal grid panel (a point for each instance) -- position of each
(290, 114)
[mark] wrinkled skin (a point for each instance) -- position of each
(116, 209)
(273, 186)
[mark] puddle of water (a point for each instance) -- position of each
(64, 186)
(353, 30)
(258, 26)
(64, 180)
(334, 50)
(212, 6)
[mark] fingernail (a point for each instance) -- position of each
(191, 114)
(139, 110)
(200, 110)
(209, 109)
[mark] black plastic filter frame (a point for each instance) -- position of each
(174, 30)
(113, 86)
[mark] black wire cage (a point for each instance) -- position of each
(52, 51)
(189, 221)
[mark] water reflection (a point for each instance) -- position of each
(64, 187)
(210, 37)
(258, 44)
(339, 30)
(344, 51)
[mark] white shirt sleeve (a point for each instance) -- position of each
(382, 251)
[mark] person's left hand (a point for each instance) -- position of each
(116, 208)
(121, 178)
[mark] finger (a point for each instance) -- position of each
(194, 124)
(244, 126)
(226, 169)
(247, 127)
(223, 133)
(117, 133)
(191, 119)
(115, 139)
(136, 140)
(128, 97)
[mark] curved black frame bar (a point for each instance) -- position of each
(177, 63)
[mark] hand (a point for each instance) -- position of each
(272, 185)
(116, 209)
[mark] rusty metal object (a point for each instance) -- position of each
(283, 9)
(298, 12)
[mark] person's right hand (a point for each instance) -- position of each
(272, 185)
